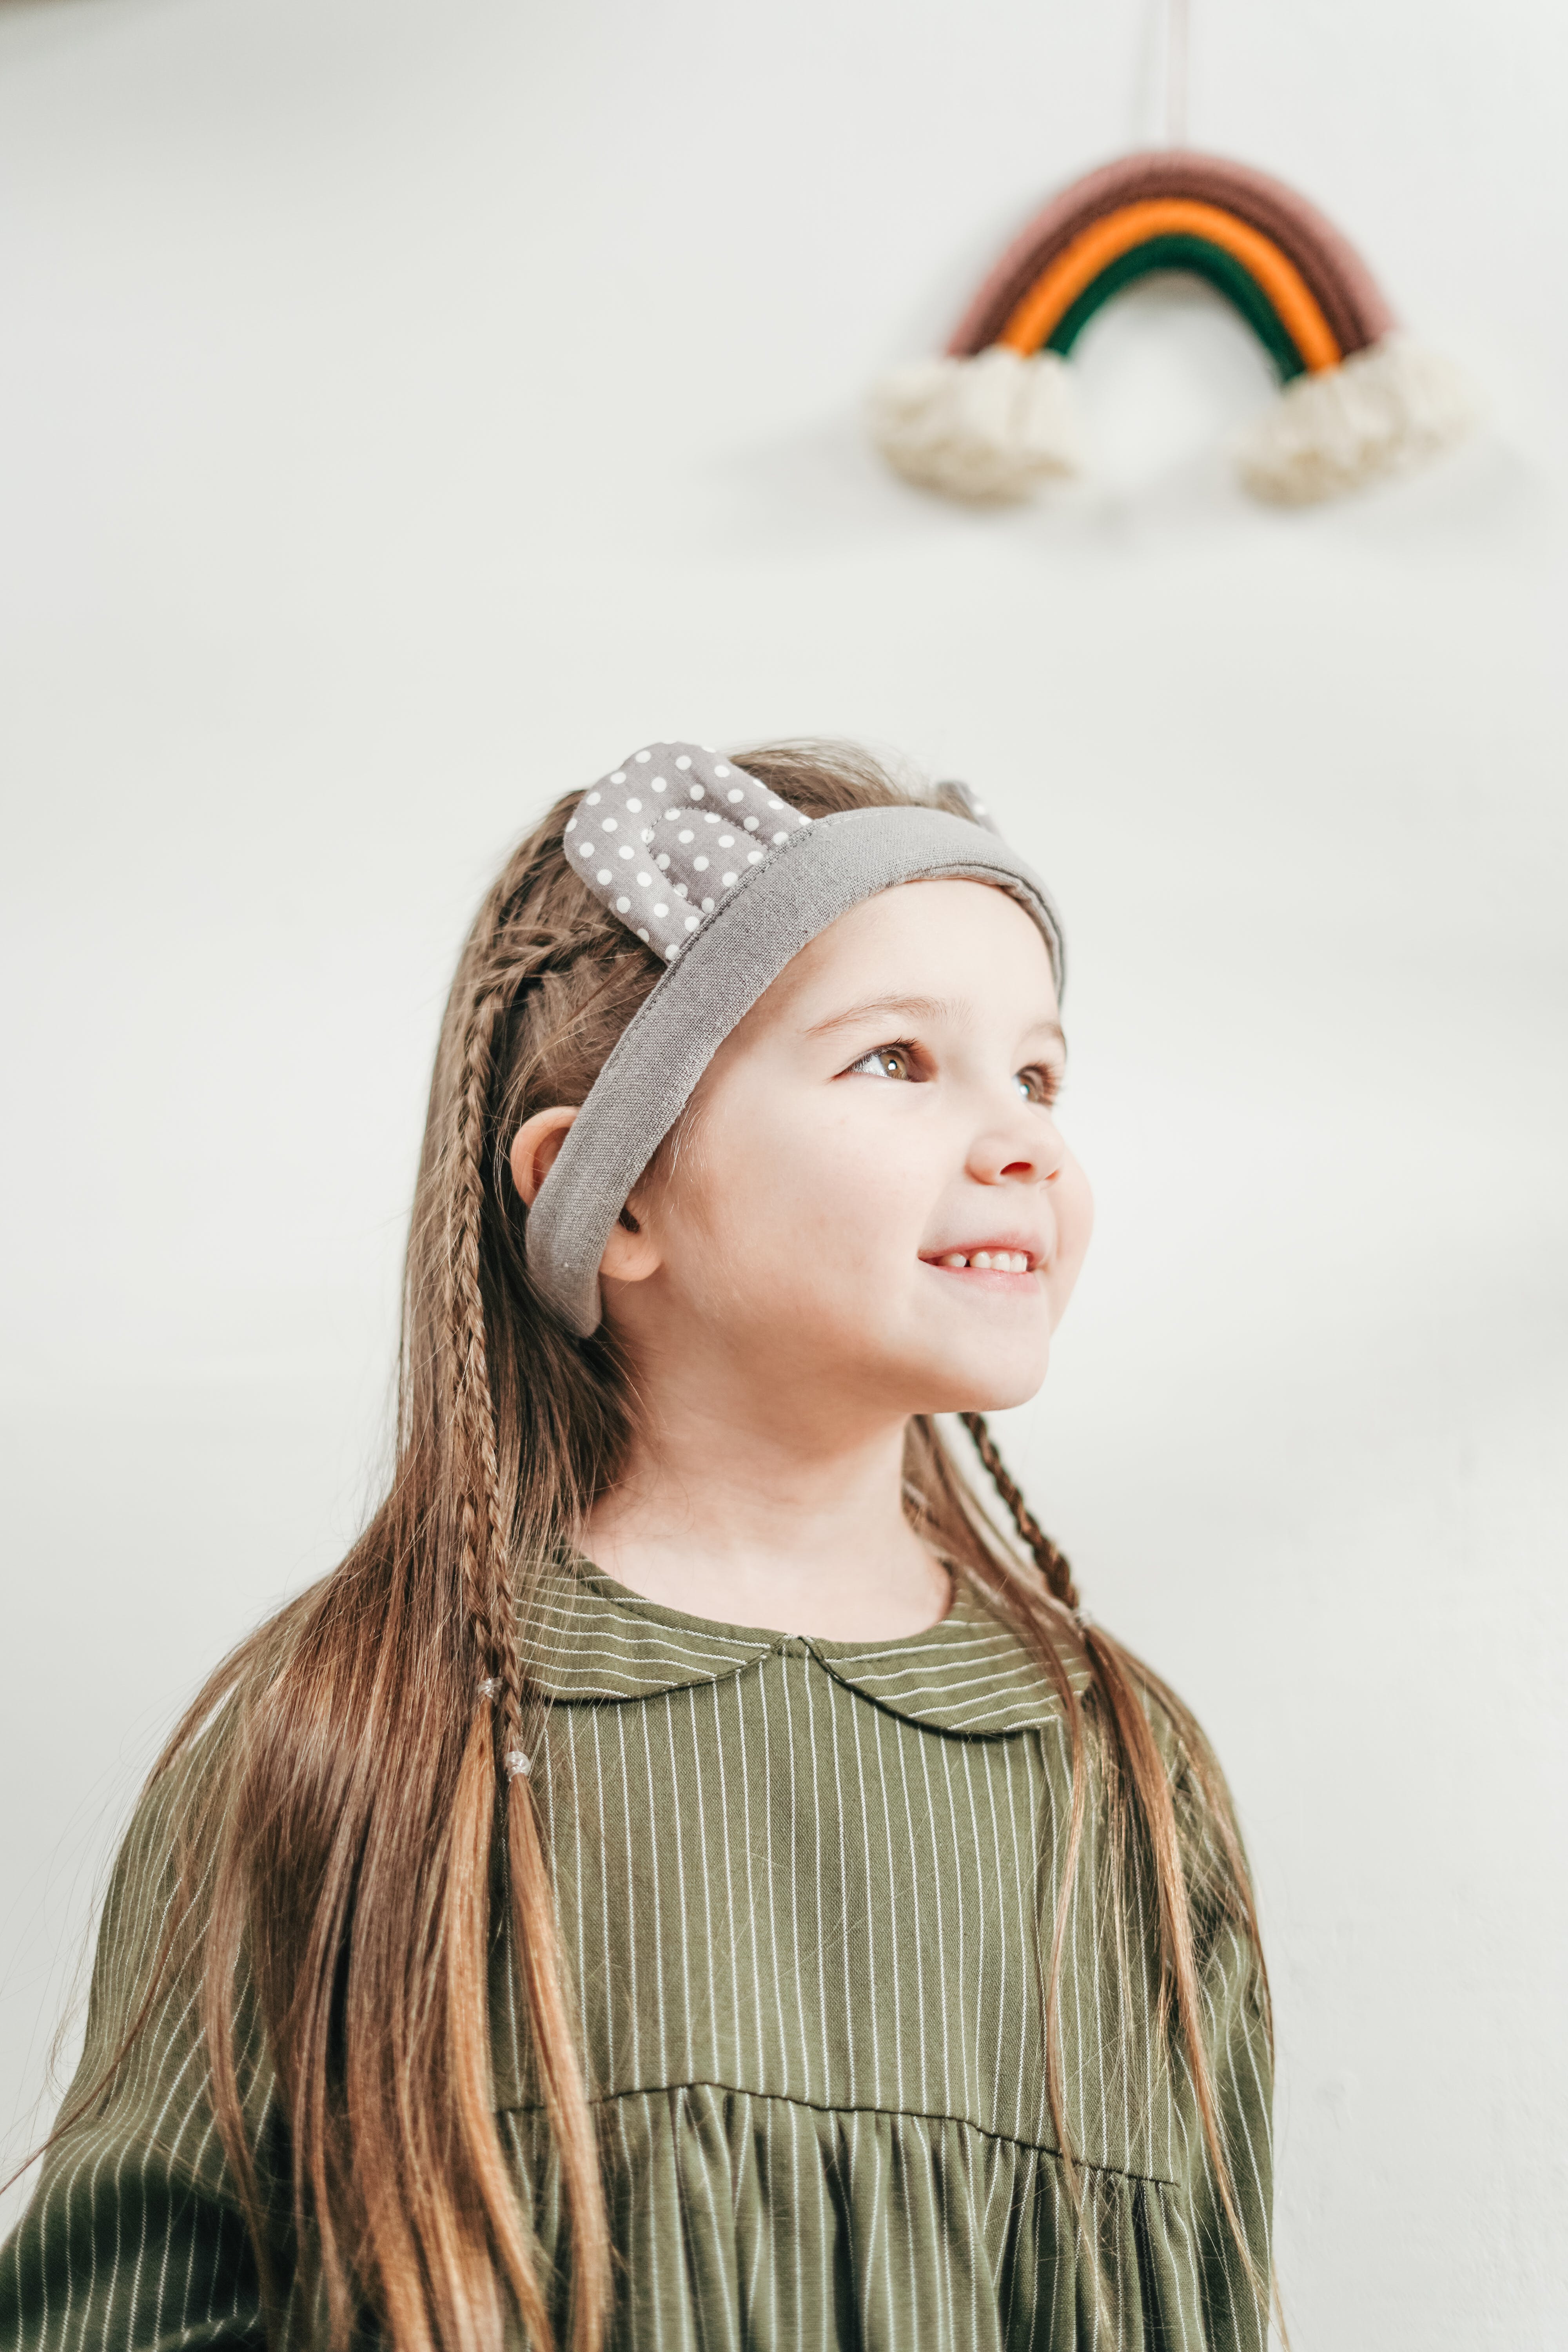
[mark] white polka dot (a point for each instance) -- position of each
(754, 857)
(663, 864)
(751, 823)
(603, 872)
(681, 891)
(802, 820)
(609, 825)
(721, 770)
(711, 816)
(708, 905)
(662, 907)
(696, 793)
(634, 808)
(684, 760)
(726, 841)
(645, 881)
(737, 794)
(673, 949)
(685, 835)
(584, 849)
(701, 863)
(642, 935)
(660, 785)
(571, 824)
(781, 836)
(593, 799)
(619, 777)
(727, 879)
(627, 849)
(775, 803)
(622, 906)
(644, 755)
(692, 922)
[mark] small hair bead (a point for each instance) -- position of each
(1082, 1620)
(518, 1767)
(489, 1687)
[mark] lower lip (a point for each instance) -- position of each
(986, 1278)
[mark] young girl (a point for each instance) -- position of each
(686, 1878)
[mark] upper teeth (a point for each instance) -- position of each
(997, 1260)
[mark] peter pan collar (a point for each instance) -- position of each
(592, 1642)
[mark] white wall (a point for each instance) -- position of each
(404, 410)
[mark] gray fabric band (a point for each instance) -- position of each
(775, 909)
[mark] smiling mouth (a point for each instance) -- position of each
(985, 1261)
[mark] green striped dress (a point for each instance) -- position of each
(807, 1889)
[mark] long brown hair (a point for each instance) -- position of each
(363, 1825)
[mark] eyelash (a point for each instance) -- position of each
(1048, 1079)
(1051, 1082)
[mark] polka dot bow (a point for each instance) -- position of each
(663, 840)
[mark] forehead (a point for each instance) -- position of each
(968, 942)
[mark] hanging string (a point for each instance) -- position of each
(1178, 27)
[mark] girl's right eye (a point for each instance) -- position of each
(886, 1062)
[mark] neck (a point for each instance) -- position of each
(766, 1520)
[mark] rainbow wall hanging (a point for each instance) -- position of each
(994, 417)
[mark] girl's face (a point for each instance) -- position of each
(872, 1208)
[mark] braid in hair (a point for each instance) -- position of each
(489, 1589)
(1038, 1609)
(1051, 1561)
(1131, 1747)
(486, 1585)
(490, 1602)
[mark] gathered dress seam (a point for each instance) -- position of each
(847, 2107)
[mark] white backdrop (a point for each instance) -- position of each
(404, 410)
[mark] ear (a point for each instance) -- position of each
(534, 1147)
(631, 1254)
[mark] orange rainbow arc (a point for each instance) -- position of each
(1076, 271)
(1299, 283)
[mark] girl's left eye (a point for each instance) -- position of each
(887, 1061)
(1039, 1084)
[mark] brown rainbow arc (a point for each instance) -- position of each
(1300, 284)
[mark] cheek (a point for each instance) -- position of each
(1073, 1205)
(809, 1194)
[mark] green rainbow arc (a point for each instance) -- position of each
(1198, 257)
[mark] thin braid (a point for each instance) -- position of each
(1052, 1562)
(1141, 1757)
(486, 1582)
(514, 959)
(490, 1602)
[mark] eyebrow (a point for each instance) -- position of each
(916, 1008)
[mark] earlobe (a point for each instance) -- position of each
(631, 1254)
(534, 1147)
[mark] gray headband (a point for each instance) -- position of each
(727, 882)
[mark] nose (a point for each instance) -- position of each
(1025, 1148)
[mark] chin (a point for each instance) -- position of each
(983, 1387)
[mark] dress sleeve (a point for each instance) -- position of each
(134, 2236)
(1231, 2275)
(1242, 2068)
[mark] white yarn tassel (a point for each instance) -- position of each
(1384, 410)
(991, 428)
